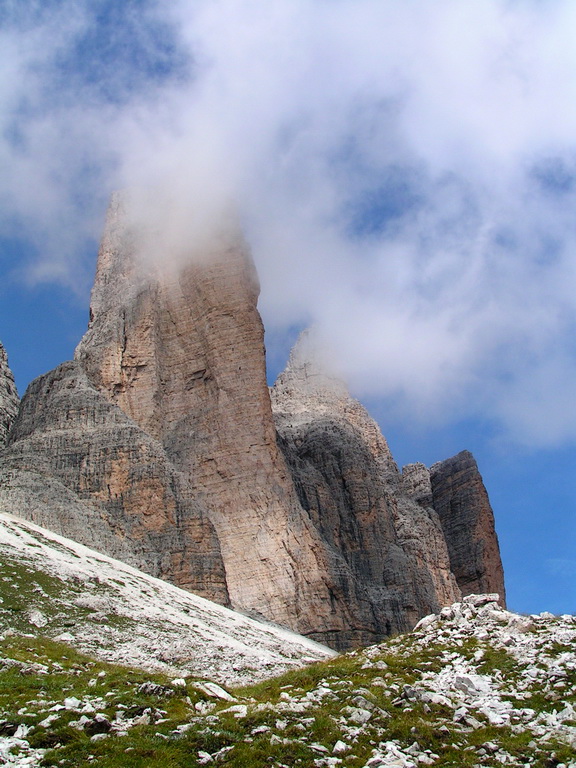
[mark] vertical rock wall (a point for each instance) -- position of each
(8, 398)
(350, 486)
(180, 350)
(461, 500)
(161, 444)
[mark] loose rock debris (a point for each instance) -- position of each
(475, 685)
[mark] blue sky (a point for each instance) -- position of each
(405, 174)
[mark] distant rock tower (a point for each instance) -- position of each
(160, 444)
(9, 399)
(462, 503)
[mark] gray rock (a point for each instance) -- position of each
(416, 483)
(9, 399)
(77, 465)
(181, 354)
(461, 501)
(349, 484)
(357, 714)
(479, 600)
(161, 445)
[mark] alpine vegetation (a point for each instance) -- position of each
(474, 685)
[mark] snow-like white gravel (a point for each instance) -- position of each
(139, 620)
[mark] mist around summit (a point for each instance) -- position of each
(404, 173)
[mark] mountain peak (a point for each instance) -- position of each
(308, 370)
(162, 445)
(9, 399)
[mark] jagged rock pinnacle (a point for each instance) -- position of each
(161, 445)
(461, 500)
(8, 398)
(350, 484)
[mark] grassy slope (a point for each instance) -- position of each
(116, 613)
(292, 720)
(363, 699)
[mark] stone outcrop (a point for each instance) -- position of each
(76, 464)
(350, 486)
(8, 398)
(180, 351)
(161, 445)
(462, 503)
(157, 444)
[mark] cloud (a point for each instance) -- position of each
(66, 88)
(405, 173)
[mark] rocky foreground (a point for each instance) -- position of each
(474, 685)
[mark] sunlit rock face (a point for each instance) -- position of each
(179, 349)
(157, 444)
(79, 466)
(161, 445)
(8, 398)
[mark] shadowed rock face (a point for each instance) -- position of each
(8, 398)
(461, 500)
(350, 486)
(159, 445)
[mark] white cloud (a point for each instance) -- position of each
(406, 173)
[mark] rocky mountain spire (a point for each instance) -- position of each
(350, 485)
(157, 444)
(161, 445)
(180, 350)
(461, 500)
(8, 398)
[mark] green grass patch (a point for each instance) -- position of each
(291, 720)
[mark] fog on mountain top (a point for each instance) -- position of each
(405, 174)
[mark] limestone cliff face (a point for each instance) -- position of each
(8, 398)
(417, 485)
(76, 464)
(180, 351)
(349, 484)
(159, 445)
(461, 500)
